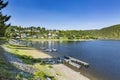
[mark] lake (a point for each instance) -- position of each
(102, 55)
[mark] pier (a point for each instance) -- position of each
(68, 59)
(79, 61)
(74, 64)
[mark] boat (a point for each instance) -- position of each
(54, 50)
(51, 50)
(43, 48)
(48, 50)
(51, 47)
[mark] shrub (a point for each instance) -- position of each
(41, 75)
(50, 66)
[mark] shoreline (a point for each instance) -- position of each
(64, 69)
(31, 39)
(59, 68)
(39, 39)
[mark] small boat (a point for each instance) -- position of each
(48, 50)
(51, 50)
(43, 48)
(54, 50)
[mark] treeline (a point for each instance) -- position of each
(41, 32)
(76, 34)
(112, 32)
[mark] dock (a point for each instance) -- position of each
(74, 64)
(77, 61)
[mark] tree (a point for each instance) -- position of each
(3, 19)
(10, 32)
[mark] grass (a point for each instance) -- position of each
(40, 74)
(2, 38)
(15, 51)
(23, 56)
(6, 69)
(50, 66)
(30, 60)
(47, 69)
(26, 58)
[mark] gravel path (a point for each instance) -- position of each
(26, 69)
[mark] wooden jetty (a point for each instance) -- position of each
(79, 61)
(74, 64)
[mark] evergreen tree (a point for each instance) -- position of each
(3, 19)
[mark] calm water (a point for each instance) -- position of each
(103, 56)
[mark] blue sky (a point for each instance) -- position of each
(64, 14)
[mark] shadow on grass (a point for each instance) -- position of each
(18, 47)
(9, 71)
(23, 48)
(30, 60)
(43, 61)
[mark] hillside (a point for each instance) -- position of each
(112, 32)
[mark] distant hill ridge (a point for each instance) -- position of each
(112, 32)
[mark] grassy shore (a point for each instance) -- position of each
(59, 71)
(6, 68)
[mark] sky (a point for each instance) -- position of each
(64, 14)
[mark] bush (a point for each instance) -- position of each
(40, 75)
(50, 66)
(42, 62)
(26, 57)
(31, 60)
(2, 62)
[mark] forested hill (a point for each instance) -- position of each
(112, 32)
